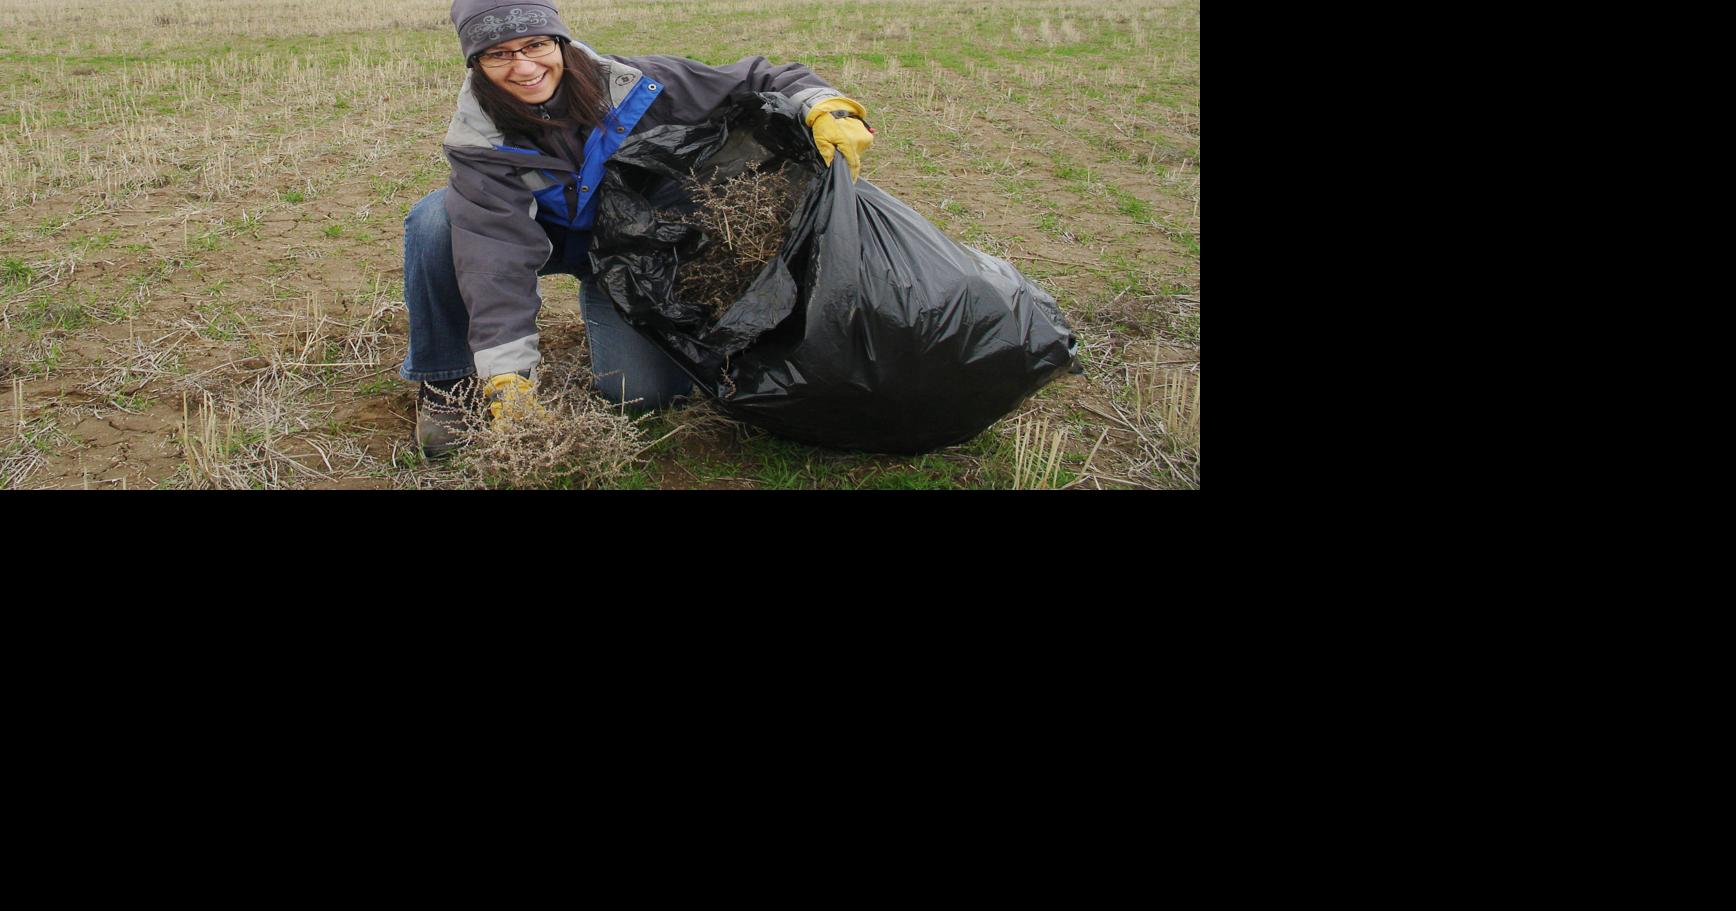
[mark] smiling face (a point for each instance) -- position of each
(530, 80)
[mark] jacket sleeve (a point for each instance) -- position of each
(497, 248)
(695, 89)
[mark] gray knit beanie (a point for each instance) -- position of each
(482, 24)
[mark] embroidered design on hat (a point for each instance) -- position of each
(517, 20)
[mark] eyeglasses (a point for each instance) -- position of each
(531, 51)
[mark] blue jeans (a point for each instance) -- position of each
(627, 366)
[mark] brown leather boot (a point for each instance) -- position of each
(441, 408)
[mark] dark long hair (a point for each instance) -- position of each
(579, 102)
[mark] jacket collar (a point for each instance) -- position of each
(621, 78)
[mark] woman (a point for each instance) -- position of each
(537, 117)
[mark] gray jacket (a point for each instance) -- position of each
(509, 195)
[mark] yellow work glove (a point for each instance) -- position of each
(838, 124)
(511, 397)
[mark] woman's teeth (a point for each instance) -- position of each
(533, 83)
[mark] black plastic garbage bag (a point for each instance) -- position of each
(871, 329)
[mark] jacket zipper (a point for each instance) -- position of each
(571, 191)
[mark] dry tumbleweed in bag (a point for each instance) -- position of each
(745, 219)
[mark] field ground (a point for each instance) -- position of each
(201, 224)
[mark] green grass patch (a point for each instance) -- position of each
(247, 223)
(926, 472)
(133, 404)
(222, 323)
(48, 313)
(16, 272)
(636, 479)
(384, 384)
(93, 242)
(1131, 206)
(1074, 173)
